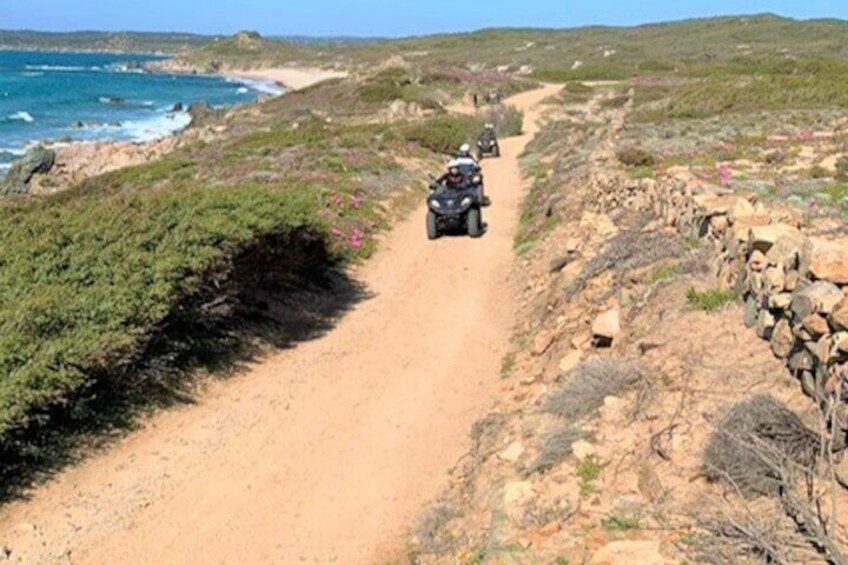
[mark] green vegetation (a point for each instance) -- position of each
(119, 42)
(666, 273)
(710, 300)
(444, 134)
(622, 523)
(588, 472)
(635, 157)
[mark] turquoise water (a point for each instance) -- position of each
(77, 97)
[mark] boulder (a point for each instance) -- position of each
(780, 301)
(765, 237)
(178, 107)
(765, 324)
(787, 250)
(774, 279)
(839, 317)
(782, 339)
(36, 161)
(607, 326)
(752, 312)
(758, 261)
(816, 325)
(570, 361)
(820, 297)
(802, 360)
(826, 259)
(202, 114)
(739, 210)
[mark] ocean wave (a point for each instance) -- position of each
(159, 126)
(12, 152)
(263, 86)
(31, 74)
(62, 68)
(20, 117)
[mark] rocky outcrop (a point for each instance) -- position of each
(202, 114)
(37, 161)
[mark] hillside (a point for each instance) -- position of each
(95, 41)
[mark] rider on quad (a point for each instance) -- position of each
(487, 143)
(454, 178)
(469, 166)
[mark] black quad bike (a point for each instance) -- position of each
(474, 177)
(488, 147)
(454, 210)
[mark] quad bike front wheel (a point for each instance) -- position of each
(474, 223)
(432, 225)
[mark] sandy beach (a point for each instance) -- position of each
(289, 78)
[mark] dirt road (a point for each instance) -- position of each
(320, 454)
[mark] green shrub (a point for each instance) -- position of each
(444, 134)
(587, 473)
(635, 157)
(842, 169)
(622, 523)
(379, 92)
(710, 300)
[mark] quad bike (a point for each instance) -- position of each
(488, 147)
(454, 210)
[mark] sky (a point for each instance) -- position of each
(372, 18)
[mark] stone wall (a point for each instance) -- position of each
(794, 280)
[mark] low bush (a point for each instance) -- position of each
(556, 448)
(755, 442)
(842, 169)
(444, 134)
(589, 384)
(508, 120)
(636, 157)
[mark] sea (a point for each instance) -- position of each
(68, 97)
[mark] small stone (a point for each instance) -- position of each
(551, 528)
(572, 245)
(582, 449)
(839, 317)
(613, 406)
(740, 209)
(792, 281)
(570, 361)
(820, 349)
(774, 279)
(607, 326)
(543, 342)
(780, 301)
(840, 343)
(758, 261)
(752, 312)
(765, 324)
(618, 552)
(808, 383)
(816, 325)
(512, 453)
(803, 360)
(782, 339)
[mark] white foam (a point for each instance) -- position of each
(21, 117)
(61, 68)
(155, 128)
(263, 86)
(18, 152)
(243, 90)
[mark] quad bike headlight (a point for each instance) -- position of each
(466, 202)
(435, 204)
(477, 179)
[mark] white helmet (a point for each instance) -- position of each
(454, 164)
(464, 148)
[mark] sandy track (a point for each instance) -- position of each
(322, 453)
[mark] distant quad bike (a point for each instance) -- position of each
(488, 147)
(454, 210)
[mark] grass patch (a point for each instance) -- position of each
(666, 273)
(587, 473)
(710, 300)
(622, 523)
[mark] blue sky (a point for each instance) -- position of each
(375, 17)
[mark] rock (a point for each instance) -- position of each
(178, 107)
(840, 343)
(758, 261)
(819, 297)
(613, 407)
(512, 453)
(815, 325)
(774, 279)
(582, 449)
(839, 317)
(619, 552)
(765, 324)
(572, 245)
(826, 259)
(787, 250)
(570, 361)
(739, 210)
(752, 312)
(808, 383)
(719, 224)
(780, 301)
(202, 114)
(543, 342)
(764, 238)
(559, 264)
(821, 349)
(516, 495)
(37, 160)
(607, 326)
(802, 360)
(782, 339)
